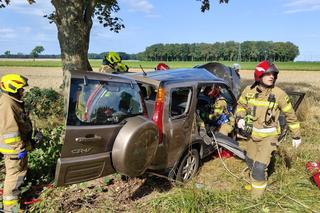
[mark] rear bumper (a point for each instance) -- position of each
(83, 168)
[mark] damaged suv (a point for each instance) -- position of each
(144, 121)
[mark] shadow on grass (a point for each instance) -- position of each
(151, 184)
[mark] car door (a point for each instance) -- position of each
(100, 110)
(180, 114)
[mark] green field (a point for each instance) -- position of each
(306, 66)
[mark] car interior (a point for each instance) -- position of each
(204, 103)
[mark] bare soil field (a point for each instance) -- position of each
(308, 77)
(51, 77)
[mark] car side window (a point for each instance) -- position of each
(148, 92)
(180, 100)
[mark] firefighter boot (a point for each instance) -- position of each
(11, 206)
(257, 189)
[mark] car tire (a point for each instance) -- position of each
(188, 166)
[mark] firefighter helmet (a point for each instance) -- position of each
(265, 67)
(13, 82)
(113, 58)
(162, 66)
(122, 67)
(236, 66)
(213, 91)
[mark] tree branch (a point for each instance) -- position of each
(206, 4)
(89, 10)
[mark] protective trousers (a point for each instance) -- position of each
(226, 128)
(15, 172)
(258, 158)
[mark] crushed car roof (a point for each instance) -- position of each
(179, 75)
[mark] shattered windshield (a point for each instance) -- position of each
(94, 102)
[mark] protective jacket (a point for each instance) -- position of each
(218, 108)
(106, 69)
(15, 126)
(265, 106)
(221, 116)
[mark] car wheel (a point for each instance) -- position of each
(188, 166)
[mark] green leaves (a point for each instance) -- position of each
(44, 104)
(42, 161)
(36, 51)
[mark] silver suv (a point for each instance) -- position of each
(145, 121)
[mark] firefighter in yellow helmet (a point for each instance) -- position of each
(220, 115)
(112, 63)
(15, 136)
(258, 110)
(122, 68)
(215, 116)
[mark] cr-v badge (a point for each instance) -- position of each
(81, 151)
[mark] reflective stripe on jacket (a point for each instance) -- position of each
(258, 99)
(15, 126)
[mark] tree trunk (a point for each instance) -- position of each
(74, 22)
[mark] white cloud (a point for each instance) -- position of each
(7, 34)
(312, 35)
(6, 30)
(143, 6)
(40, 8)
(297, 6)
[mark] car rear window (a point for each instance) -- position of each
(102, 102)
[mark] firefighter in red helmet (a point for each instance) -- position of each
(162, 66)
(262, 103)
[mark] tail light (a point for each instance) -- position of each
(158, 112)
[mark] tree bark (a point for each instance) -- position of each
(74, 22)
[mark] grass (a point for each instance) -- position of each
(306, 66)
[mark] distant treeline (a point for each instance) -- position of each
(222, 51)
(219, 51)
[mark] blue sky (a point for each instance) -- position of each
(147, 22)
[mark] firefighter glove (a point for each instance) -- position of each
(241, 124)
(296, 143)
(22, 154)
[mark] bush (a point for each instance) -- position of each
(42, 161)
(44, 104)
(45, 107)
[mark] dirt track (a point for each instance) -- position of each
(46, 77)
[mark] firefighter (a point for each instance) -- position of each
(258, 110)
(15, 138)
(112, 63)
(221, 116)
(216, 116)
(162, 66)
(237, 68)
(121, 67)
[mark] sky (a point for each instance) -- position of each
(147, 22)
